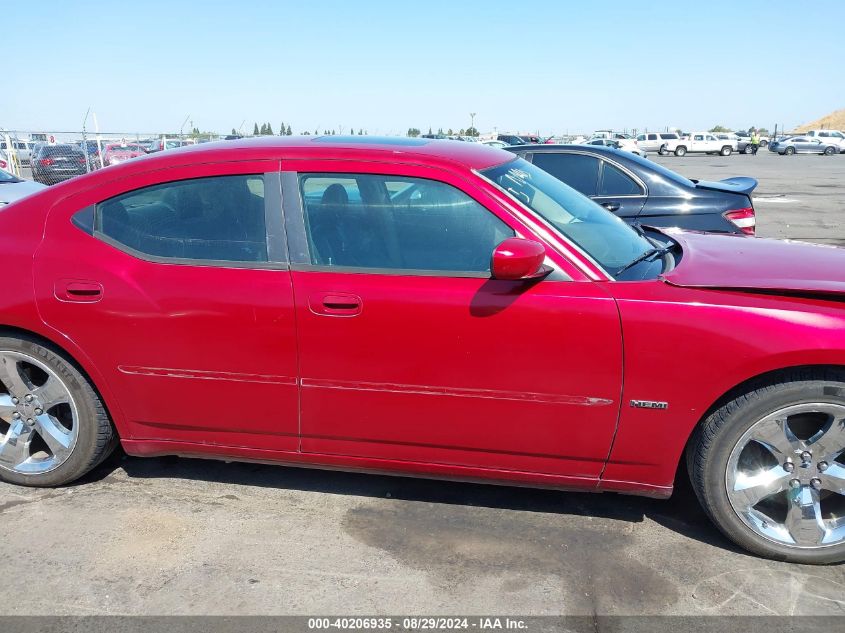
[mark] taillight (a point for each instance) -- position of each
(46, 162)
(3, 164)
(82, 161)
(743, 219)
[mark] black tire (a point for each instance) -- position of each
(680, 150)
(748, 149)
(829, 151)
(726, 150)
(96, 437)
(764, 143)
(710, 446)
(662, 150)
(789, 151)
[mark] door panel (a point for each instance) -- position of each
(436, 366)
(202, 352)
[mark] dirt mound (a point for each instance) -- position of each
(833, 121)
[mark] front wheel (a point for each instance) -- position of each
(769, 467)
(663, 150)
(726, 150)
(829, 151)
(749, 149)
(789, 151)
(680, 150)
(53, 426)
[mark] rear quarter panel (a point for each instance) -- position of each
(688, 347)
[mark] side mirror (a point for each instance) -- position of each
(518, 258)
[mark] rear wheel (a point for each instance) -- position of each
(769, 468)
(789, 151)
(680, 150)
(726, 150)
(53, 427)
(829, 151)
(663, 150)
(748, 149)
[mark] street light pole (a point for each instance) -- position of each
(472, 120)
(182, 127)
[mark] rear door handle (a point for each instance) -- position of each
(611, 206)
(335, 304)
(78, 290)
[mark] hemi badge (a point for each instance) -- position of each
(649, 404)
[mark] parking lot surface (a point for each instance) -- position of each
(181, 536)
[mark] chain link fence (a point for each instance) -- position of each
(50, 157)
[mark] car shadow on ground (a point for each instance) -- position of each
(681, 513)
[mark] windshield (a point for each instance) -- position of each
(602, 235)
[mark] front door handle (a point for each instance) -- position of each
(78, 290)
(611, 206)
(335, 304)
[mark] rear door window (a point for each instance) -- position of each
(615, 182)
(579, 171)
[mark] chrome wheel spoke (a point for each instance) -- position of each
(776, 436)
(14, 447)
(7, 408)
(10, 375)
(831, 443)
(749, 490)
(833, 478)
(51, 393)
(804, 518)
(57, 438)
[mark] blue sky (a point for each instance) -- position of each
(552, 67)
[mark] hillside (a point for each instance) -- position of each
(833, 121)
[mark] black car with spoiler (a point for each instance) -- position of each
(643, 192)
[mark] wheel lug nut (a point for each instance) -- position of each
(816, 483)
(805, 456)
(789, 467)
(16, 415)
(28, 398)
(823, 466)
(39, 411)
(15, 401)
(794, 483)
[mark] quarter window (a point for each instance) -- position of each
(614, 182)
(398, 223)
(579, 171)
(215, 219)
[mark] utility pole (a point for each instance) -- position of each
(182, 127)
(472, 120)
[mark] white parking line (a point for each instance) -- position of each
(775, 199)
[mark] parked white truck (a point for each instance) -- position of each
(703, 143)
(829, 137)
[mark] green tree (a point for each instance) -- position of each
(234, 132)
(282, 129)
(429, 130)
(269, 130)
(450, 133)
(306, 133)
(361, 131)
(289, 132)
(413, 132)
(471, 131)
(255, 130)
(718, 128)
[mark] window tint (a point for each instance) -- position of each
(579, 171)
(392, 222)
(614, 182)
(652, 137)
(667, 137)
(219, 218)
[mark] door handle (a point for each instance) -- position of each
(78, 290)
(335, 304)
(611, 206)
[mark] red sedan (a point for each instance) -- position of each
(421, 307)
(115, 153)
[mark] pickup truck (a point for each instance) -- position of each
(829, 137)
(703, 143)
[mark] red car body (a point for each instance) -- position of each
(470, 378)
(115, 153)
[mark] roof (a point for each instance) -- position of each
(467, 154)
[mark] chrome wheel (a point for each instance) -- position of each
(785, 477)
(38, 416)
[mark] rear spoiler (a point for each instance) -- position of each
(737, 184)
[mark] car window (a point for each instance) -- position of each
(614, 182)
(579, 171)
(652, 137)
(218, 219)
(698, 137)
(397, 223)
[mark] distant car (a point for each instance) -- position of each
(741, 144)
(512, 139)
(831, 137)
(625, 145)
(703, 143)
(13, 188)
(495, 143)
(115, 153)
(54, 163)
(802, 145)
(642, 192)
(164, 143)
(661, 142)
